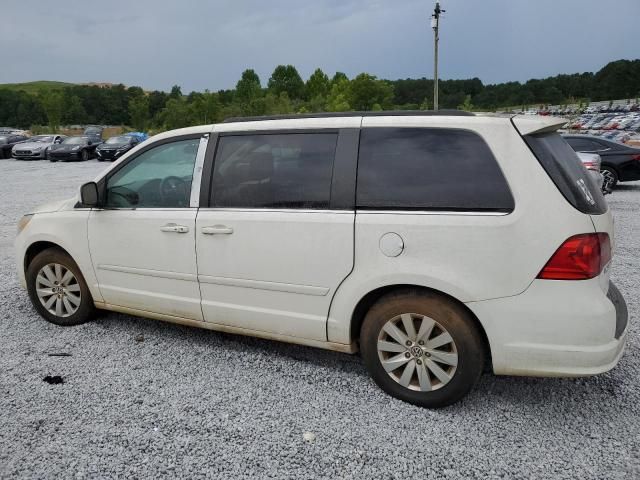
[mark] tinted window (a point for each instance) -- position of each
(567, 172)
(429, 168)
(583, 144)
(274, 171)
(159, 177)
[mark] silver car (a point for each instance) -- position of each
(592, 162)
(36, 147)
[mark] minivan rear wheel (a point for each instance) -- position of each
(58, 290)
(422, 348)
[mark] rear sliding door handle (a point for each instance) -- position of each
(217, 230)
(174, 228)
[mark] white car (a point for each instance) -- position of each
(435, 244)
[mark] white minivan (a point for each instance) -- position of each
(435, 243)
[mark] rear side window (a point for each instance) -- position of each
(583, 145)
(274, 171)
(566, 170)
(429, 169)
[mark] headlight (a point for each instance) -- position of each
(24, 221)
(36, 149)
(76, 148)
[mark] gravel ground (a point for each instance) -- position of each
(147, 399)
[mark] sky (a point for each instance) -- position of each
(206, 44)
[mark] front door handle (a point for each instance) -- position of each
(217, 230)
(174, 228)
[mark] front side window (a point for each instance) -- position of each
(159, 177)
(274, 171)
(429, 169)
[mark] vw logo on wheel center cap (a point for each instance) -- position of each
(416, 351)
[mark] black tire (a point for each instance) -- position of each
(85, 309)
(51, 159)
(84, 155)
(611, 178)
(456, 321)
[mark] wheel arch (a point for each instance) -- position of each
(39, 246)
(368, 300)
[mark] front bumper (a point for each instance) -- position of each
(555, 329)
(29, 156)
(62, 156)
(109, 154)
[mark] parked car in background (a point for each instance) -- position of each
(36, 148)
(7, 141)
(592, 162)
(115, 147)
(73, 148)
(620, 163)
(328, 231)
(94, 132)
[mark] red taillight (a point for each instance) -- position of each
(580, 257)
(635, 157)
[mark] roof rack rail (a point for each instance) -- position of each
(384, 113)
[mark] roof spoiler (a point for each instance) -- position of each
(529, 124)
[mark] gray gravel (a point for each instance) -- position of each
(146, 399)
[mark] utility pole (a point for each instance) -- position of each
(435, 24)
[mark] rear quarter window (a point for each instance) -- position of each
(429, 169)
(564, 167)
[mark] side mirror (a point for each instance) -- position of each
(89, 195)
(89, 143)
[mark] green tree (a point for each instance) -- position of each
(285, 78)
(53, 104)
(176, 92)
(176, 114)
(275, 105)
(338, 100)
(74, 111)
(366, 90)
(139, 112)
(467, 106)
(318, 84)
(339, 77)
(248, 87)
(206, 107)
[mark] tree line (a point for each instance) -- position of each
(286, 92)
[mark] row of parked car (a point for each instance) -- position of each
(627, 122)
(592, 109)
(55, 148)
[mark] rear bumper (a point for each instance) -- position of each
(555, 329)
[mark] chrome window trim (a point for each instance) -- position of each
(432, 212)
(196, 181)
(274, 210)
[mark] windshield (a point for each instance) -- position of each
(75, 141)
(116, 140)
(42, 138)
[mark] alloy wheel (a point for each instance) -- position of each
(417, 352)
(58, 290)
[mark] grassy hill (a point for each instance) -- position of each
(35, 87)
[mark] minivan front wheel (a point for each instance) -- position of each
(422, 348)
(57, 289)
